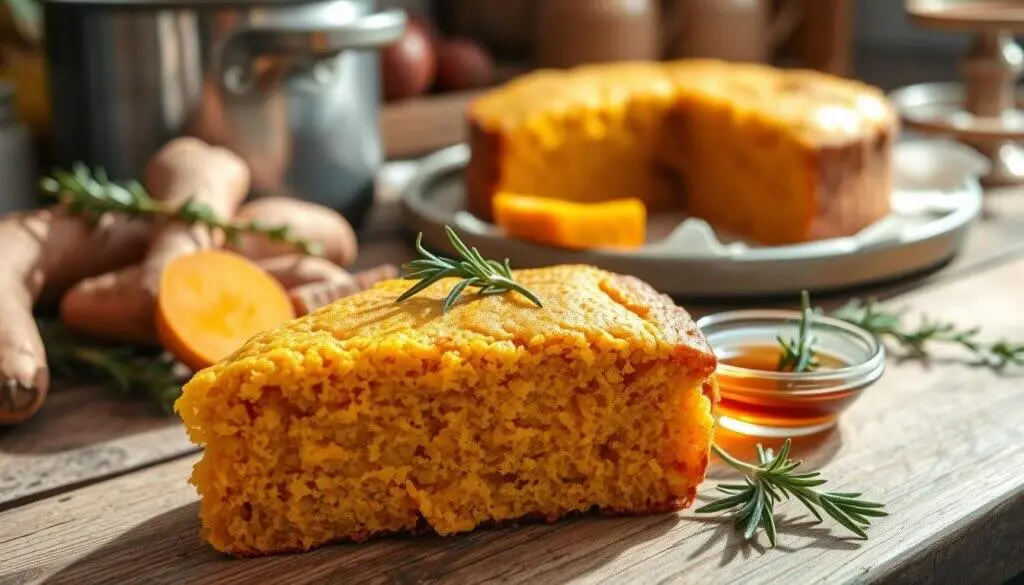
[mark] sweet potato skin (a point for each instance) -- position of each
(189, 169)
(309, 297)
(293, 270)
(305, 221)
(46, 252)
(122, 305)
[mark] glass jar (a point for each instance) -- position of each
(759, 400)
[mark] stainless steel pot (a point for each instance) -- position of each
(292, 87)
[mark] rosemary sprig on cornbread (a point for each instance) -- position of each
(490, 277)
(775, 479)
(798, 354)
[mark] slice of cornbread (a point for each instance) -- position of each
(370, 417)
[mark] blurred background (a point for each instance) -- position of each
(451, 50)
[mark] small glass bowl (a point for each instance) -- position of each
(773, 404)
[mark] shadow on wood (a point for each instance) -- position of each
(814, 450)
(167, 549)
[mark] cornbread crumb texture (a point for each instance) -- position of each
(371, 417)
(776, 155)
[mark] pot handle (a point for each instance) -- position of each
(310, 27)
(266, 45)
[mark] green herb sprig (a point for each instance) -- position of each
(891, 325)
(128, 369)
(93, 194)
(489, 277)
(916, 341)
(775, 479)
(798, 354)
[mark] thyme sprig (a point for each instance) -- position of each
(775, 479)
(489, 277)
(916, 341)
(798, 354)
(128, 369)
(93, 194)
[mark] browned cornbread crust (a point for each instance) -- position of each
(778, 156)
(368, 417)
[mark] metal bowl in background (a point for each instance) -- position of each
(292, 87)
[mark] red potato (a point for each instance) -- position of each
(428, 25)
(122, 305)
(45, 253)
(409, 64)
(305, 221)
(463, 64)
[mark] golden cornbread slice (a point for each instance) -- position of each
(778, 156)
(370, 417)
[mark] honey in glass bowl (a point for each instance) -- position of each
(759, 400)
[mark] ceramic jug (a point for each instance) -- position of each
(734, 30)
(573, 32)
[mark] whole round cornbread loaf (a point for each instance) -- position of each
(370, 417)
(778, 156)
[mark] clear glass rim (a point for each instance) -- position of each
(852, 376)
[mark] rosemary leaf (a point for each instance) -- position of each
(798, 354)
(91, 194)
(917, 340)
(490, 277)
(129, 370)
(774, 479)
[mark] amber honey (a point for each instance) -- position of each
(772, 402)
(758, 399)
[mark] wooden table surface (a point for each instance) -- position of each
(94, 490)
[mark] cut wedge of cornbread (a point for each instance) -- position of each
(369, 417)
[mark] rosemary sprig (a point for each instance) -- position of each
(776, 479)
(93, 194)
(126, 368)
(915, 341)
(490, 277)
(798, 354)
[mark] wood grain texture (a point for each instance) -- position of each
(940, 443)
(83, 434)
